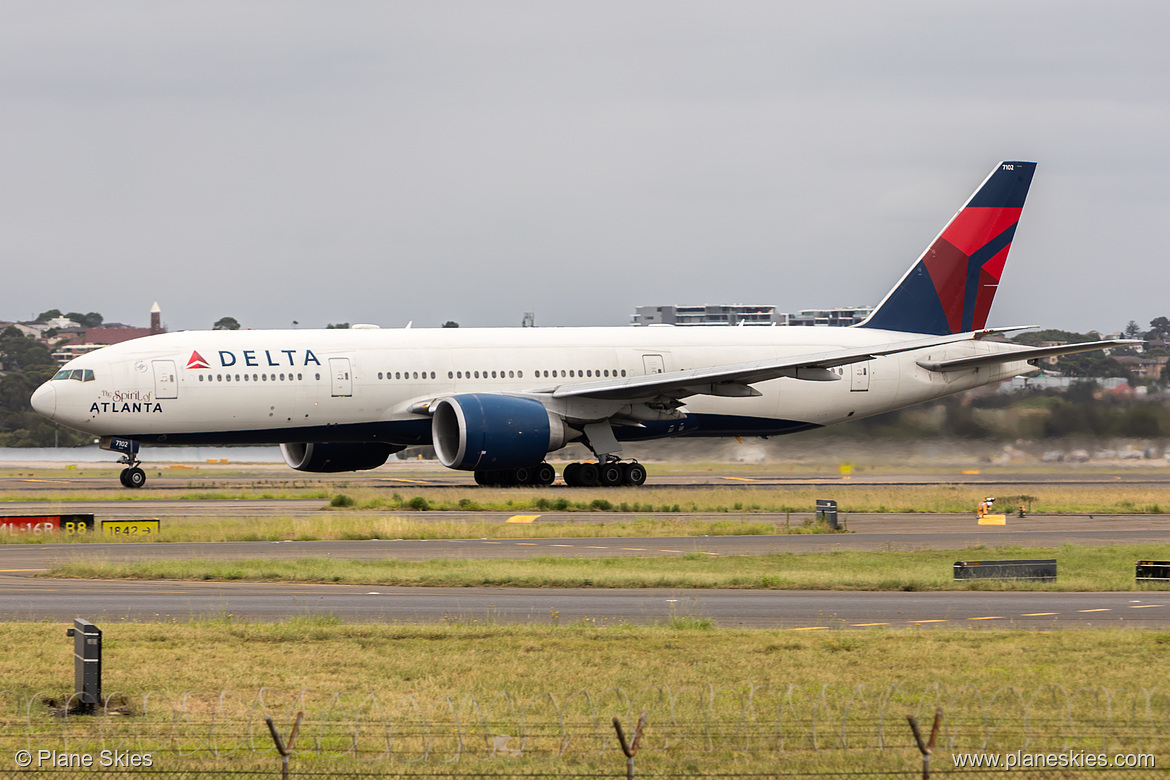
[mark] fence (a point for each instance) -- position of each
(708, 731)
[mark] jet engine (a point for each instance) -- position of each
(489, 431)
(329, 458)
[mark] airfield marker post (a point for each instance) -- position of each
(925, 748)
(284, 751)
(630, 748)
(87, 665)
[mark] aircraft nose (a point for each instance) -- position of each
(44, 400)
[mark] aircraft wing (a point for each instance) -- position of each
(1034, 353)
(736, 379)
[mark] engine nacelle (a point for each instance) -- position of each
(489, 431)
(329, 458)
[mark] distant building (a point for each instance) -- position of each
(1061, 383)
(745, 314)
(830, 318)
(96, 338)
(1144, 367)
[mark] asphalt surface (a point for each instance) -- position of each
(24, 596)
(100, 601)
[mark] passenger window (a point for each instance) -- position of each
(520, 374)
(379, 374)
(477, 375)
(450, 375)
(298, 377)
(623, 372)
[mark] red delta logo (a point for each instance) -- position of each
(197, 361)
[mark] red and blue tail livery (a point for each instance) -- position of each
(950, 288)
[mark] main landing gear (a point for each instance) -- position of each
(607, 474)
(536, 476)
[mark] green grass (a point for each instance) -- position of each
(356, 526)
(1080, 569)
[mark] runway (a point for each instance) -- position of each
(26, 597)
(47, 477)
(100, 601)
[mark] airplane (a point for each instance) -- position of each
(496, 401)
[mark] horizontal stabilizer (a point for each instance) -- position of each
(1015, 356)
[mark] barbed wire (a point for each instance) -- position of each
(750, 720)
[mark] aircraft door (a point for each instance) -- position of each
(166, 380)
(653, 364)
(341, 377)
(859, 382)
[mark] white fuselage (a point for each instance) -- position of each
(342, 385)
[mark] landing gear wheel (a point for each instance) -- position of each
(570, 474)
(122, 478)
(133, 477)
(522, 476)
(610, 474)
(587, 475)
(633, 474)
(544, 475)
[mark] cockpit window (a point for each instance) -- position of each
(79, 374)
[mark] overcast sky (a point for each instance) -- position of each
(389, 162)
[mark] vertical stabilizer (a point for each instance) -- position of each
(951, 286)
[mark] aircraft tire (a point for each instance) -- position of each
(522, 476)
(122, 478)
(135, 477)
(633, 474)
(610, 474)
(544, 475)
(587, 475)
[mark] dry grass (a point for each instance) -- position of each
(694, 678)
(480, 658)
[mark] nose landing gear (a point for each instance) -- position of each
(132, 476)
